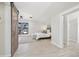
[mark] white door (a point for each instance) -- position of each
(72, 28)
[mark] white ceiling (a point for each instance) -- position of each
(44, 10)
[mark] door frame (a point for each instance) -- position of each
(12, 5)
(64, 14)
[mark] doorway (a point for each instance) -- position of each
(73, 26)
(71, 29)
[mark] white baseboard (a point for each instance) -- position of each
(7, 55)
(58, 45)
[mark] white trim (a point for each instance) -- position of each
(61, 30)
(58, 45)
(67, 31)
(78, 30)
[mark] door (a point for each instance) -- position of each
(73, 29)
(14, 32)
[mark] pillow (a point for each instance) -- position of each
(44, 31)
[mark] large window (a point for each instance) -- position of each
(23, 28)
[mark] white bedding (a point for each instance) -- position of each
(42, 35)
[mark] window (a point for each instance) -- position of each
(23, 28)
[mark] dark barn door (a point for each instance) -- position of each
(14, 32)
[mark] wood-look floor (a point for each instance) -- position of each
(44, 48)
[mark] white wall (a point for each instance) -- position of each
(56, 28)
(2, 34)
(34, 25)
(7, 17)
(5, 30)
(40, 12)
(24, 14)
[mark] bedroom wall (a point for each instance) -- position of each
(40, 12)
(56, 28)
(7, 17)
(2, 29)
(5, 23)
(34, 25)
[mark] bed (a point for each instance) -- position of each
(42, 35)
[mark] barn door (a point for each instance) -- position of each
(14, 32)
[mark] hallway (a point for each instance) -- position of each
(44, 48)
